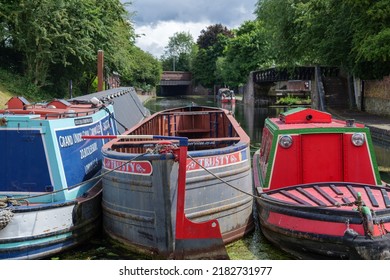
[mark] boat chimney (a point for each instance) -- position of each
(350, 123)
(100, 65)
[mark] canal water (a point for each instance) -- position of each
(253, 246)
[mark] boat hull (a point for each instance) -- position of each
(139, 210)
(41, 230)
(50, 198)
(317, 247)
(326, 231)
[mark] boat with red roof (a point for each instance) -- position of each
(319, 191)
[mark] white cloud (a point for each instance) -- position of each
(159, 20)
(154, 38)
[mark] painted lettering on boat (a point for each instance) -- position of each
(76, 137)
(91, 166)
(135, 167)
(89, 150)
(215, 161)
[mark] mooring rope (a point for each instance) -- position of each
(4, 202)
(5, 217)
(222, 180)
(262, 196)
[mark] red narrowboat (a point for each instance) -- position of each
(320, 195)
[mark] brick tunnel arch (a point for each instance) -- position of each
(174, 83)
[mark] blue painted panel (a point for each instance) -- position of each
(23, 165)
(82, 159)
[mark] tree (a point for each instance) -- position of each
(245, 52)
(211, 44)
(59, 39)
(145, 70)
(352, 34)
(371, 40)
(177, 56)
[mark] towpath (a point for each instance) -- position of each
(379, 125)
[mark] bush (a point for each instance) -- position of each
(18, 85)
(293, 100)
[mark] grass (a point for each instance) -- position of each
(5, 95)
(293, 100)
(12, 84)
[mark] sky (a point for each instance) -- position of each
(157, 20)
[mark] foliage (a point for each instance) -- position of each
(293, 100)
(211, 44)
(209, 37)
(245, 52)
(145, 71)
(352, 34)
(177, 56)
(18, 85)
(55, 41)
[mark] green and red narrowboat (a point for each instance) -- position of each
(320, 195)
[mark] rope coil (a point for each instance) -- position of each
(5, 217)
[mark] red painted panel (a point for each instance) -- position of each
(311, 226)
(322, 157)
(302, 115)
(287, 166)
(318, 227)
(357, 163)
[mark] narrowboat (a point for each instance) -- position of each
(142, 208)
(50, 190)
(226, 95)
(318, 190)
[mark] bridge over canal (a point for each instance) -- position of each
(326, 85)
(175, 83)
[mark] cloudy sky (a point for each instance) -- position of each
(157, 20)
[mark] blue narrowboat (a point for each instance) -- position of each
(50, 190)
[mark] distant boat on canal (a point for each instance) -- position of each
(144, 206)
(319, 190)
(226, 95)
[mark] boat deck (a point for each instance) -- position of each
(342, 196)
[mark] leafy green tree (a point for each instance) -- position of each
(245, 52)
(211, 43)
(177, 56)
(278, 17)
(145, 69)
(371, 37)
(58, 41)
(352, 34)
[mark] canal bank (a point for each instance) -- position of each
(378, 125)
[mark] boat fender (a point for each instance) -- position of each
(368, 222)
(5, 217)
(349, 233)
(3, 122)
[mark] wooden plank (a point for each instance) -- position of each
(336, 190)
(352, 191)
(311, 197)
(346, 200)
(295, 198)
(326, 195)
(385, 198)
(371, 196)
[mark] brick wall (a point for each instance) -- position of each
(377, 96)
